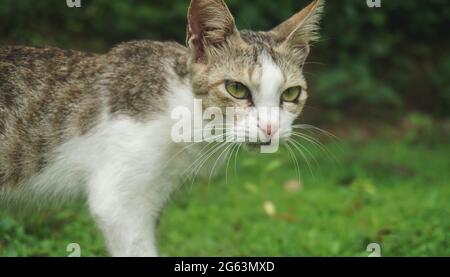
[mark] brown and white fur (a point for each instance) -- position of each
(98, 126)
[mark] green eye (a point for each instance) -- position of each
(237, 90)
(291, 94)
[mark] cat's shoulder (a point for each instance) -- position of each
(146, 58)
(153, 66)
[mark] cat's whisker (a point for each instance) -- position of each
(220, 146)
(330, 135)
(229, 157)
(199, 158)
(184, 149)
(203, 153)
(218, 159)
(315, 63)
(314, 142)
(192, 174)
(206, 157)
(297, 161)
(296, 146)
(317, 144)
(309, 73)
(209, 156)
(312, 127)
(294, 160)
(195, 144)
(317, 164)
(235, 158)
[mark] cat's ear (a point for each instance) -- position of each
(210, 24)
(302, 28)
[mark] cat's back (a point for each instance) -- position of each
(44, 96)
(26, 71)
(31, 75)
(129, 71)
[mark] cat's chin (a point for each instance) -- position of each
(255, 146)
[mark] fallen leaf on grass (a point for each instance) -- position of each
(273, 165)
(251, 187)
(291, 218)
(293, 186)
(269, 208)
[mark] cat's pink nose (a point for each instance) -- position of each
(268, 129)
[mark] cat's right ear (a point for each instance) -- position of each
(210, 24)
(302, 28)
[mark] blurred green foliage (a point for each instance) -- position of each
(372, 61)
(389, 190)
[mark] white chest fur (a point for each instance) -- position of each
(126, 169)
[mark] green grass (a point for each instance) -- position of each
(394, 192)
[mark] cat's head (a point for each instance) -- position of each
(248, 70)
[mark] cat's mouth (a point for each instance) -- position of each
(260, 143)
(254, 146)
(267, 143)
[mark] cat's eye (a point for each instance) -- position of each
(237, 90)
(291, 94)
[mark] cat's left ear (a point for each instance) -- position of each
(301, 29)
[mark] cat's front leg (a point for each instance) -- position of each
(126, 212)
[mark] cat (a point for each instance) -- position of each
(99, 125)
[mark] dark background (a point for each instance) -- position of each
(379, 63)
